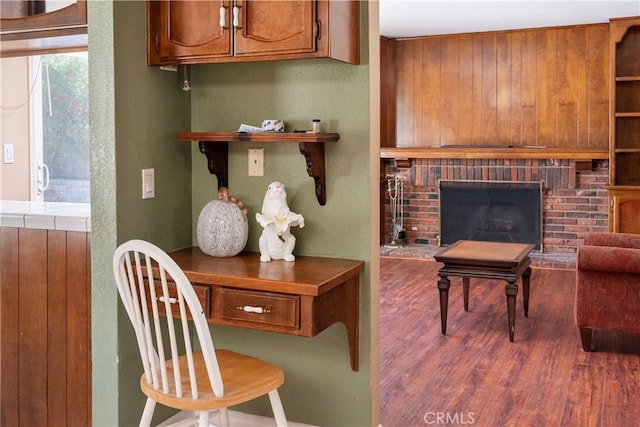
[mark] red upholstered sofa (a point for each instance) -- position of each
(608, 284)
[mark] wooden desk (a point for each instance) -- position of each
(301, 298)
(487, 260)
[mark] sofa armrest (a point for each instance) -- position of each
(620, 240)
(604, 258)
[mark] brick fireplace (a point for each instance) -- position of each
(574, 200)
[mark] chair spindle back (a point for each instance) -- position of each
(150, 285)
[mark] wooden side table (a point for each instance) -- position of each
(485, 260)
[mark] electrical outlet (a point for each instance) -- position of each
(148, 184)
(256, 161)
(8, 153)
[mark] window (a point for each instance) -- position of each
(63, 127)
(45, 118)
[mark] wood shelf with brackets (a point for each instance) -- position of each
(215, 145)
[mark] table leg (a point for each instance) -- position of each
(526, 276)
(511, 290)
(443, 285)
(465, 292)
(350, 318)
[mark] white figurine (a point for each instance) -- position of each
(276, 240)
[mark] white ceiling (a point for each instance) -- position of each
(410, 18)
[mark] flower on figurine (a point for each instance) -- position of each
(286, 220)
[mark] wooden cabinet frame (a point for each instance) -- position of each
(624, 126)
(63, 30)
(335, 29)
(69, 20)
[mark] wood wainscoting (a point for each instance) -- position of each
(45, 327)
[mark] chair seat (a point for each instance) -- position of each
(244, 378)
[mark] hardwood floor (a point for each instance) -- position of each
(475, 376)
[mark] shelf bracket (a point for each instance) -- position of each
(314, 157)
(217, 160)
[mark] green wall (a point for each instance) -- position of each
(320, 387)
(104, 316)
(136, 111)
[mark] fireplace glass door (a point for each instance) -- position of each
(494, 211)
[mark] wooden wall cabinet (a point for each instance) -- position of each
(212, 31)
(25, 29)
(24, 20)
(624, 126)
(45, 327)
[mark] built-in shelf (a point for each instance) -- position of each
(626, 150)
(215, 145)
(470, 152)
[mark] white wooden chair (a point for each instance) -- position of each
(164, 311)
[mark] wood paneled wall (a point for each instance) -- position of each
(45, 327)
(538, 87)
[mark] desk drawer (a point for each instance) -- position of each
(202, 292)
(261, 307)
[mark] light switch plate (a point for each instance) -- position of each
(256, 161)
(148, 184)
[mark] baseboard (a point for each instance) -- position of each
(236, 419)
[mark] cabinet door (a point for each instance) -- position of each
(192, 30)
(625, 212)
(275, 27)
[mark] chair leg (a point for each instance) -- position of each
(147, 414)
(203, 418)
(278, 410)
(585, 337)
(224, 417)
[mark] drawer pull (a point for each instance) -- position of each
(171, 299)
(236, 17)
(252, 309)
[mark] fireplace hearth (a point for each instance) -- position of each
(498, 211)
